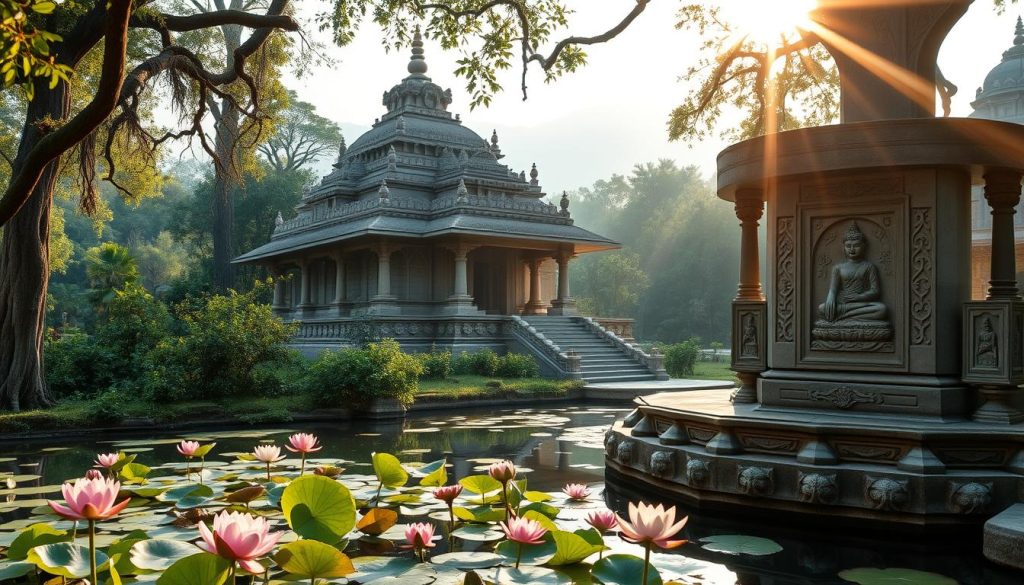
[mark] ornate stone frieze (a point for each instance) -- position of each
(870, 452)
(701, 435)
(845, 397)
(885, 493)
(969, 498)
(785, 269)
(818, 488)
(777, 444)
(698, 472)
(662, 464)
(972, 456)
(624, 452)
(921, 277)
(756, 480)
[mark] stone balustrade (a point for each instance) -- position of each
(654, 361)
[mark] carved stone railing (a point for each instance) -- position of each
(567, 363)
(654, 361)
(621, 327)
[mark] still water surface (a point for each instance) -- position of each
(556, 446)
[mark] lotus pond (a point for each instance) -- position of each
(347, 518)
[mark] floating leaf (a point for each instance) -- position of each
(480, 484)
(33, 536)
(15, 570)
(319, 508)
(544, 521)
(377, 521)
(571, 548)
(467, 560)
(159, 554)
(204, 450)
(64, 559)
(525, 574)
(479, 533)
(313, 560)
(201, 569)
(436, 476)
(873, 576)
(624, 570)
(389, 470)
(533, 554)
(479, 514)
(246, 494)
(739, 544)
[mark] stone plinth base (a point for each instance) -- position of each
(384, 306)
(874, 467)
(538, 308)
(563, 308)
(461, 305)
(1004, 537)
(383, 409)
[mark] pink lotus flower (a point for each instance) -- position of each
(93, 474)
(107, 460)
(524, 530)
(602, 520)
(239, 537)
(268, 453)
(188, 448)
(420, 535)
(576, 491)
(503, 471)
(651, 524)
(304, 443)
(89, 499)
(448, 493)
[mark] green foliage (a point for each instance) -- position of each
(25, 48)
(108, 407)
(517, 365)
(109, 268)
(481, 363)
(77, 366)
(225, 338)
(357, 376)
(612, 284)
(437, 365)
(680, 358)
(135, 324)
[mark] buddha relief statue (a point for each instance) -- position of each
(853, 316)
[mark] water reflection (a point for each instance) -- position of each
(558, 446)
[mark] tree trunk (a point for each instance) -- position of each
(226, 173)
(25, 268)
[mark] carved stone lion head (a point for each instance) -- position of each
(886, 493)
(697, 472)
(756, 481)
(818, 488)
(662, 463)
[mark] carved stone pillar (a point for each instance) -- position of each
(564, 304)
(339, 278)
(279, 290)
(749, 314)
(1002, 191)
(305, 291)
(460, 302)
(384, 302)
(993, 357)
(534, 306)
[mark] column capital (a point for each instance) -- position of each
(749, 204)
(1002, 189)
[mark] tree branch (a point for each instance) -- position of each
(64, 138)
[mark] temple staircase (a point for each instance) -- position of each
(602, 359)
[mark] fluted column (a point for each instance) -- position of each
(461, 272)
(1002, 191)
(339, 278)
(749, 209)
(564, 303)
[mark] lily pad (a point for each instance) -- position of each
(319, 508)
(525, 574)
(313, 560)
(873, 576)
(389, 470)
(159, 554)
(201, 569)
(479, 533)
(64, 559)
(739, 544)
(468, 560)
(624, 570)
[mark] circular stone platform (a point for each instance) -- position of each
(629, 390)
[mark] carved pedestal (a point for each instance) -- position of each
(749, 347)
(993, 358)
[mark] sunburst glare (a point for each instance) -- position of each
(766, 21)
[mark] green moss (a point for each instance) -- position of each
(469, 386)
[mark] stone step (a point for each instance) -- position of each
(619, 378)
(638, 371)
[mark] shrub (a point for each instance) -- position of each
(437, 365)
(357, 376)
(680, 358)
(135, 324)
(76, 365)
(280, 377)
(463, 364)
(517, 365)
(226, 337)
(108, 407)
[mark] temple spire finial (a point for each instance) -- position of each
(1018, 33)
(417, 64)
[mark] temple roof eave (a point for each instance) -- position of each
(582, 240)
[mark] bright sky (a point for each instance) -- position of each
(611, 114)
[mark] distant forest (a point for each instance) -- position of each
(676, 272)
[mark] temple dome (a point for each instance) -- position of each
(1001, 96)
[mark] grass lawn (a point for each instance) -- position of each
(713, 371)
(467, 386)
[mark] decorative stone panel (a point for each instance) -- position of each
(624, 452)
(885, 493)
(749, 339)
(969, 498)
(992, 347)
(698, 471)
(662, 464)
(818, 488)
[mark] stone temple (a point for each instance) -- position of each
(421, 234)
(875, 390)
